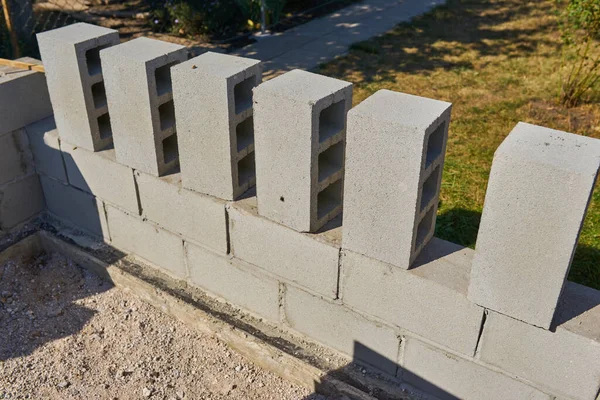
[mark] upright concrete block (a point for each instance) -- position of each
(140, 97)
(23, 97)
(234, 281)
(71, 57)
(215, 129)
(15, 156)
(198, 217)
(447, 376)
(20, 200)
(147, 241)
(300, 131)
(394, 161)
(430, 301)
(565, 362)
(537, 197)
(45, 146)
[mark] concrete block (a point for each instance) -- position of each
(447, 376)
(215, 130)
(394, 161)
(198, 217)
(15, 156)
(336, 326)
(566, 362)
(71, 57)
(45, 146)
(234, 281)
(538, 192)
(143, 115)
(75, 206)
(147, 241)
(429, 300)
(23, 97)
(100, 175)
(20, 200)
(300, 131)
(308, 260)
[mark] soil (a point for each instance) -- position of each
(66, 334)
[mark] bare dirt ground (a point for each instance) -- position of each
(66, 334)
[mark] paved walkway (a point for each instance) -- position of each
(323, 39)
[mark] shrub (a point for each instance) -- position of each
(579, 22)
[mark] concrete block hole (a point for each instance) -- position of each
(170, 150)
(331, 120)
(435, 145)
(242, 94)
(99, 95)
(331, 161)
(92, 59)
(329, 199)
(104, 127)
(166, 114)
(424, 228)
(244, 133)
(429, 189)
(162, 77)
(246, 169)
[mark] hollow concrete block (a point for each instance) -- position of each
(215, 129)
(198, 217)
(20, 200)
(71, 57)
(429, 301)
(300, 130)
(45, 146)
(23, 97)
(566, 361)
(146, 241)
(342, 329)
(75, 206)
(15, 156)
(538, 192)
(394, 160)
(140, 97)
(101, 175)
(447, 376)
(234, 281)
(307, 260)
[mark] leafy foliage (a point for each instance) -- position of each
(579, 22)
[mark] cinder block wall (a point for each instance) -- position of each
(497, 322)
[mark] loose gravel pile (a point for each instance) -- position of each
(66, 334)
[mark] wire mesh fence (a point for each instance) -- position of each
(220, 23)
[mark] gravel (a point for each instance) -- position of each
(66, 334)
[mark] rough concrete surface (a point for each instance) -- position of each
(79, 338)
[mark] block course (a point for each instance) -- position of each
(420, 323)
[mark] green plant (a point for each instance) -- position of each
(579, 22)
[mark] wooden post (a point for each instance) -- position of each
(14, 41)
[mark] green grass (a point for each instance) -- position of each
(498, 62)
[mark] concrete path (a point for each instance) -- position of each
(323, 39)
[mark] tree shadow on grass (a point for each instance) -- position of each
(438, 38)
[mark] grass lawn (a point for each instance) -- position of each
(498, 62)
